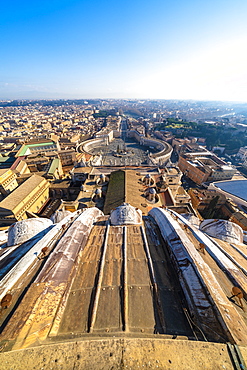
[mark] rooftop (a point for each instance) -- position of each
(111, 295)
(54, 165)
(27, 146)
(237, 188)
(6, 162)
(20, 193)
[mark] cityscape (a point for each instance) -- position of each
(123, 185)
(123, 227)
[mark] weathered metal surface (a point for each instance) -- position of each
(59, 264)
(235, 274)
(53, 280)
(138, 271)
(125, 283)
(12, 258)
(75, 317)
(108, 316)
(99, 282)
(207, 297)
(39, 322)
(241, 248)
(59, 304)
(125, 274)
(61, 301)
(141, 310)
(22, 314)
(4, 251)
(29, 255)
(233, 254)
(109, 312)
(18, 290)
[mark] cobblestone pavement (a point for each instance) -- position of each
(136, 154)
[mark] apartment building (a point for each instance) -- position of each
(30, 196)
(7, 182)
(200, 165)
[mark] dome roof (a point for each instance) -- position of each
(126, 215)
(59, 215)
(222, 229)
(24, 230)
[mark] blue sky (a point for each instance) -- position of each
(124, 49)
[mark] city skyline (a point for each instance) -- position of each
(159, 50)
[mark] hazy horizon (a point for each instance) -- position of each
(77, 49)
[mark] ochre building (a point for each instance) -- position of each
(28, 197)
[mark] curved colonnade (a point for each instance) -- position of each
(164, 149)
(159, 158)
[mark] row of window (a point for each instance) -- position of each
(31, 202)
(8, 180)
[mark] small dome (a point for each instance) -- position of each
(152, 191)
(195, 221)
(222, 229)
(148, 176)
(24, 230)
(98, 191)
(126, 215)
(59, 215)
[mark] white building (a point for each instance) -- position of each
(242, 153)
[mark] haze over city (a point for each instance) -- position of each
(123, 185)
(124, 49)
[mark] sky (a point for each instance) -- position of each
(159, 49)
